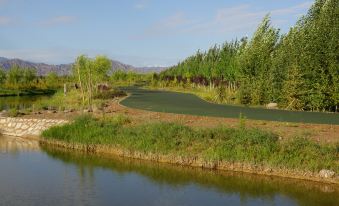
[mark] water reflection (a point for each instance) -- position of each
(33, 175)
(15, 145)
(248, 188)
(21, 102)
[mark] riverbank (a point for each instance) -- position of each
(316, 133)
(236, 149)
(109, 174)
(26, 127)
(25, 92)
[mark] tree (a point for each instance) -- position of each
(2, 77)
(291, 90)
(256, 64)
(298, 70)
(79, 71)
(52, 80)
(89, 72)
(28, 75)
(14, 76)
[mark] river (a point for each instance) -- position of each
(21, 102)
(31, 174)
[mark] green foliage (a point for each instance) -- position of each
(119, 119)
(109, 94)
(17, 77)
(127, 78)
(90, 72)
(52, 80)
(242, 121)
(297, 70)
(256, 66)
(241, 145)
(13, 112)
(2, 76)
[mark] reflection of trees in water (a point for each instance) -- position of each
(20, 102)
(15, 145)
(245, 186)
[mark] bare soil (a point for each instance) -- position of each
(319, 132)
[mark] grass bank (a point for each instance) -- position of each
(25, 92)
(241, 149)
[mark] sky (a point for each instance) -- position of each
(135, 32)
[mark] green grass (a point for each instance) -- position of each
(13, 112)
(243, 145)
(73, 99)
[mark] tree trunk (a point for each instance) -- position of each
(81, 88)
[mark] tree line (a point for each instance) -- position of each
(26, 78)
(298, 70)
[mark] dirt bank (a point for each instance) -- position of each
(192, 161)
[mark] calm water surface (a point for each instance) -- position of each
(35, 175)
(21, 102)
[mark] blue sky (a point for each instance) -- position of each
(136, 32)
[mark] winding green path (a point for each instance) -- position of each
(181, 103)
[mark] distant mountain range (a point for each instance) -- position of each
(65, 69)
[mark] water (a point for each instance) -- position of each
(21, 102)
(35, 175)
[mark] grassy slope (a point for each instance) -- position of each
(239, 145)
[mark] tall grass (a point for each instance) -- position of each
(241, 145)
(73, 99)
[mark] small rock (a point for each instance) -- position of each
(87, 110)
(51, 111)
(268, 170)
(326, 173)
(272, 105)
(96, 109)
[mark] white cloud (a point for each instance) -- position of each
(231, 19)
(292, 10)
(58, 20)
(4, 20)
(141, 4)
(145, 61)
(241, 18)
(168, 25)
(174, 21)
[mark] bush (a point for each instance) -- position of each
(13, 112)
(110, 94)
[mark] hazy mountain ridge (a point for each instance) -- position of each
(65, 69)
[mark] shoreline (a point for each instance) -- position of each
(26, 92)
(194, 162)
(185, 161)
